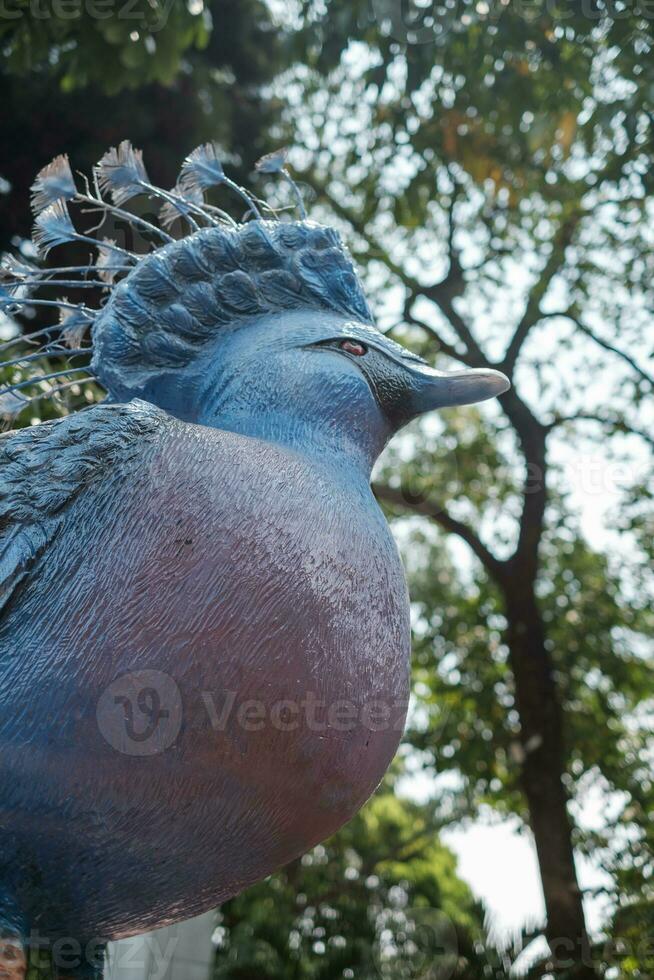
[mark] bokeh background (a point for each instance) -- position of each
(491, 166)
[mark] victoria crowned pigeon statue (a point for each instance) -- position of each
(204, 621)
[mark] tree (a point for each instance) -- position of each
(83, 43)
(190, 85)
(380, 899)
(495, 182)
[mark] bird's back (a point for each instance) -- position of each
(207, 676)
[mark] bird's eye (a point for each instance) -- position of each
(354, 347)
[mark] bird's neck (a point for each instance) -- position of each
(348, 454)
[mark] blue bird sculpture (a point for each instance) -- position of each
(204, 621)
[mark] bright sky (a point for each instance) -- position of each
(497, 859)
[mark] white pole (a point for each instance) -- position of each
(180, 952)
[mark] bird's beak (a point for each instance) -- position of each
(432, 389)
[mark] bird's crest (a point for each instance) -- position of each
(152, 308)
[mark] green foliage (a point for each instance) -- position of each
(631, 951)
(599, 641)
(507, 91)
(52, 403)
(112, 43)
(381, 899)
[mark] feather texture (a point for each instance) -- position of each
(275, 163)
(44, 469)
(272, 163)
(121, 173)
(9, 286)
(54, 183)
(74, 328)
(12, 267)
(108, 262)
(282, 289)
(163, 307)
(166, 351)
(292, 237)
(238, 291)
(173, 211)
(201, 169)
(11, 405)
(154, 281)
(176, 319)
(186, 263)
(219, 276)
(200, 301)
(325, 275)
(52, 227)
(255, 245)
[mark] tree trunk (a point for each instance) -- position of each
(543, 765)
(543, 752)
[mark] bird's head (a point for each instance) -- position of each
(259, 327)
(265, 330)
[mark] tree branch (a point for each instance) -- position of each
(615, 424)
(441, 298)
(532, 313)
(604, 344)
(433, 334)
(440, 293)
(423, 508)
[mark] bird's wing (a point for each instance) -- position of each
(44, 468)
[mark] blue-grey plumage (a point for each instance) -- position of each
(204, 623)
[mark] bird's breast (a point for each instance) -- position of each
(226, 676)
(283, 605)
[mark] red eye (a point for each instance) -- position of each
(354, 347)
